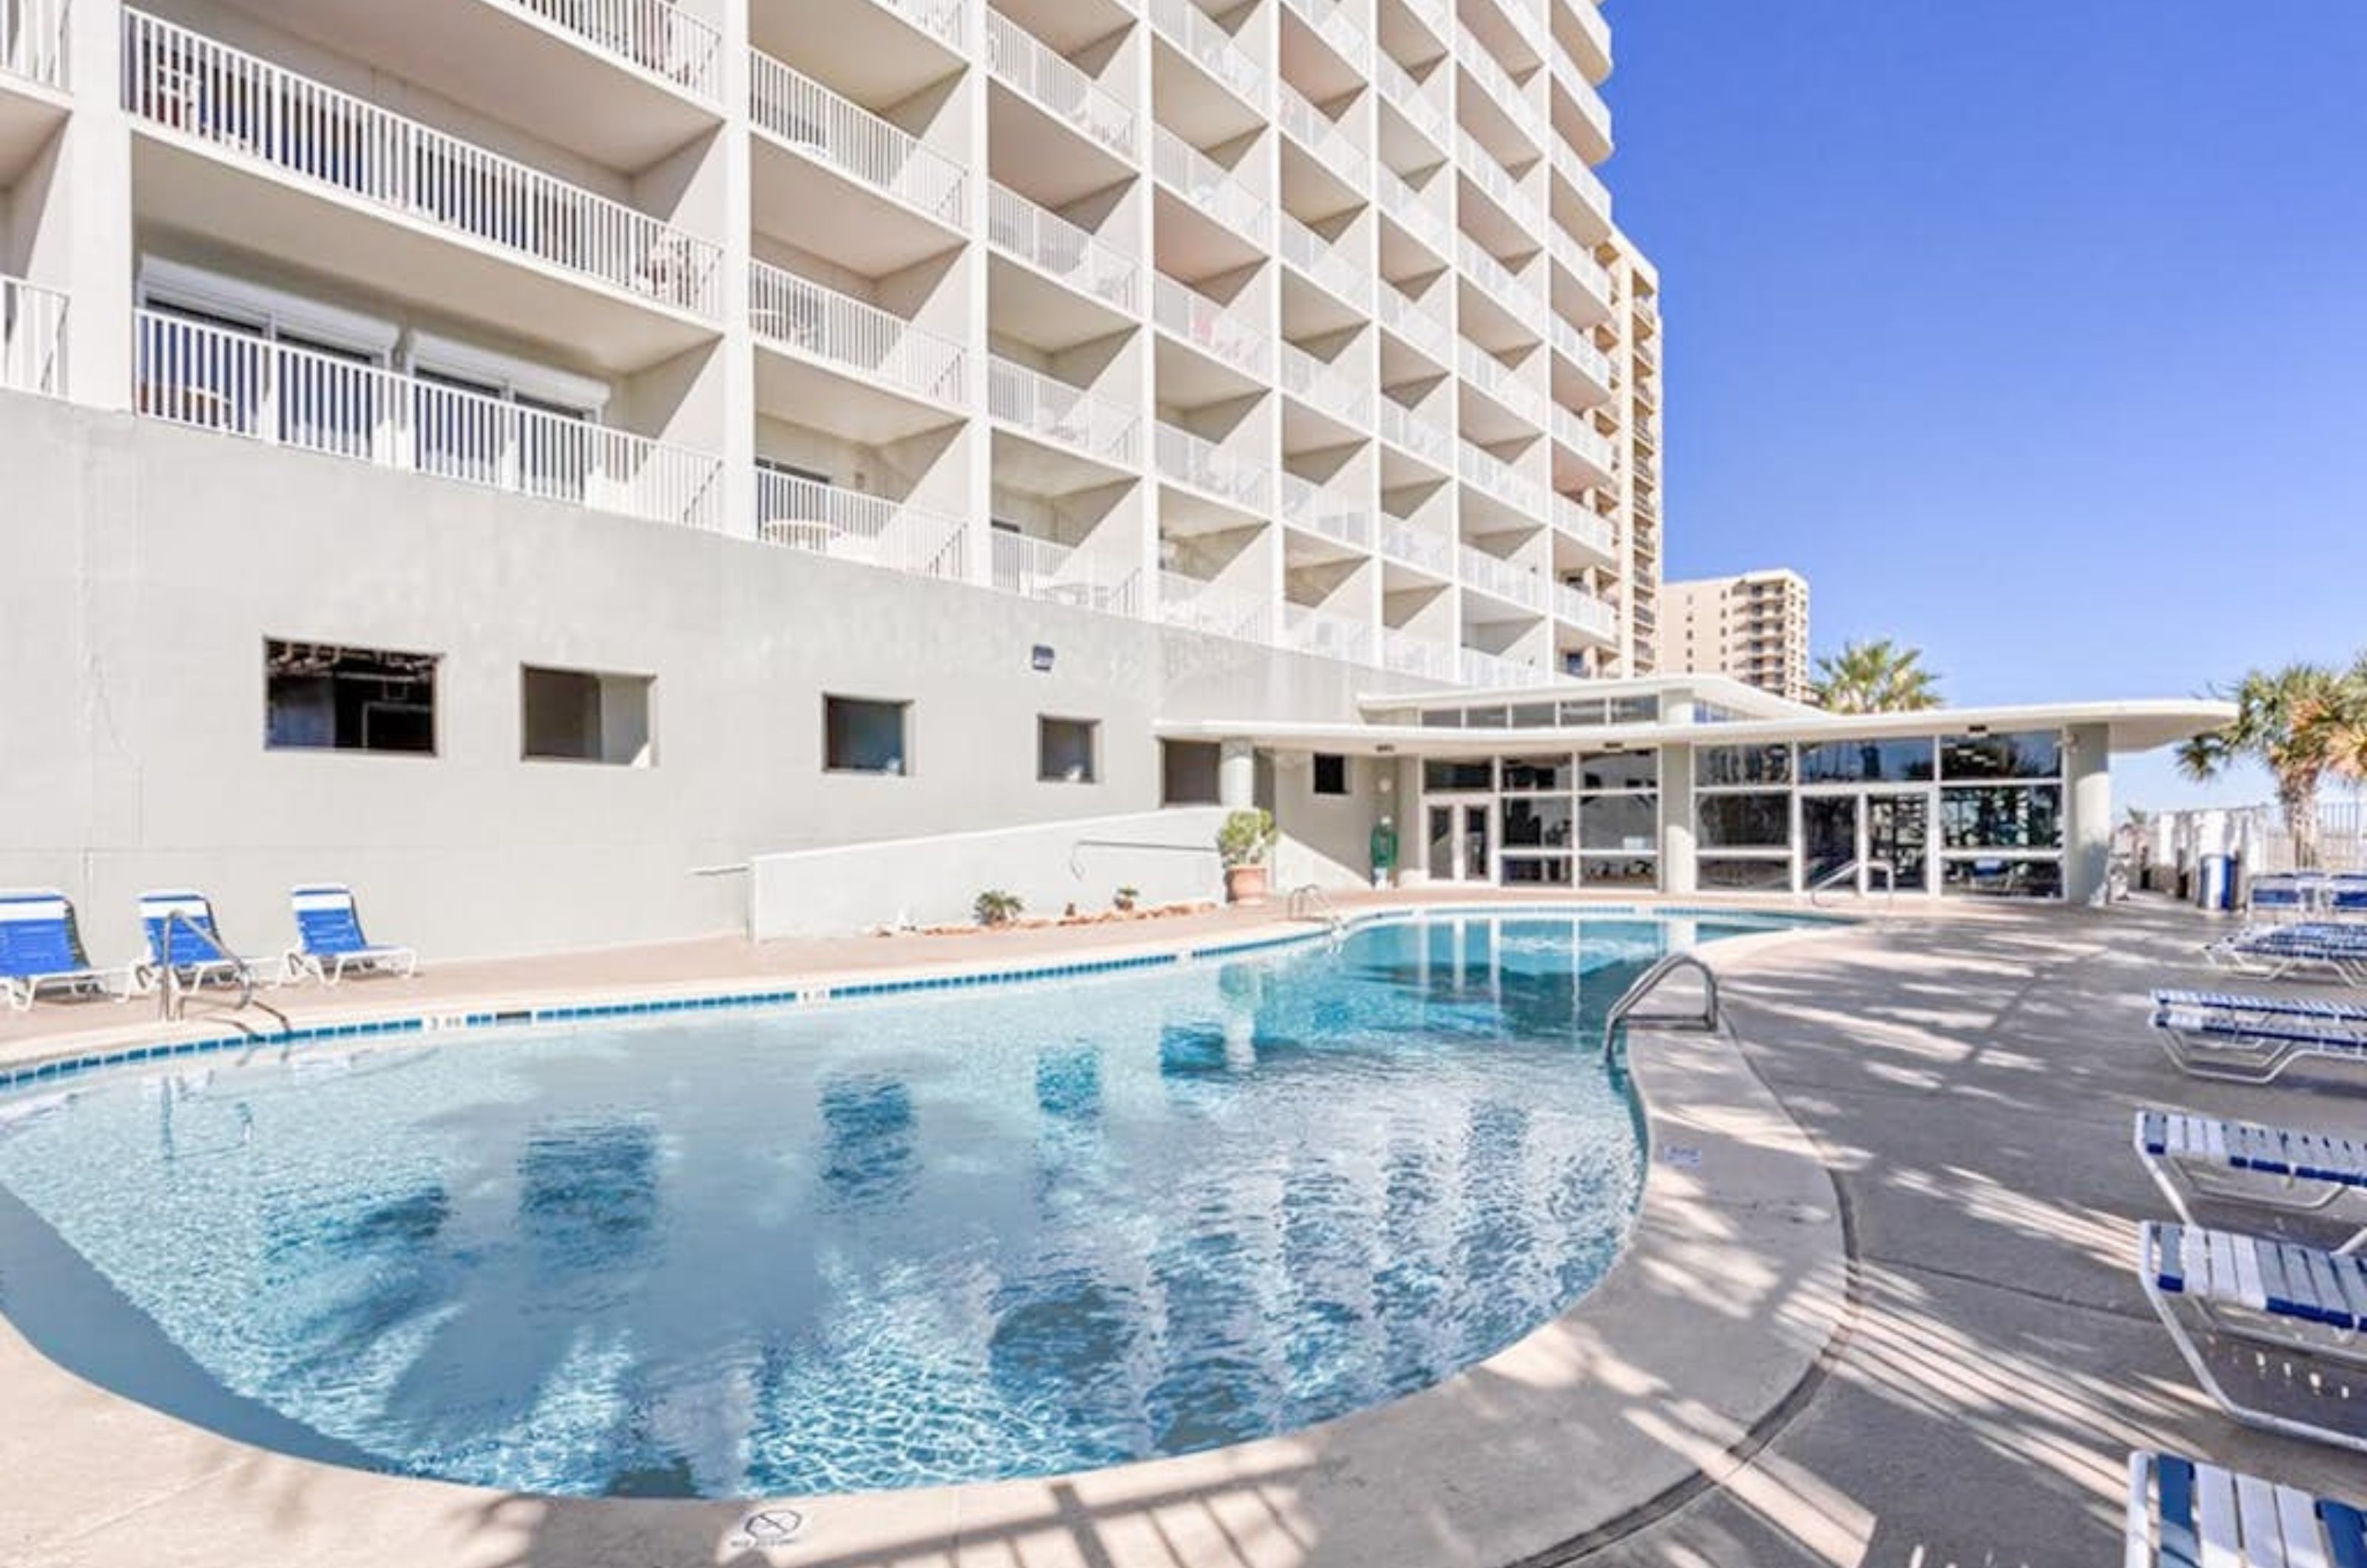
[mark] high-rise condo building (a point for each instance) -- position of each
(1752, 626)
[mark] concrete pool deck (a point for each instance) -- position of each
(1881, 1309)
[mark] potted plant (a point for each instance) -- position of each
(1244, 844)
(1125, 899)
(996, 907)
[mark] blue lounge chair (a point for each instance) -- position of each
(41, 951)
(2301, 1306)
(2275, 951)
(330, 944)
(2252, 1040)
(2186, 1515)
(184, 941)
(2244, 1162)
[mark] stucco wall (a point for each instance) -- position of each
(145, 566)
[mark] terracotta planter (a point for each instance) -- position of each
(1245, 884)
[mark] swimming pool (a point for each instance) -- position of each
(947, 1236)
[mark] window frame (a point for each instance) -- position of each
(1093, 729)
(433, 705)
(903, 708)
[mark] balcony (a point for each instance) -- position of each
(1522, 303)
(1593, 55)
(1325, 386)
(883, 352)
(210, 379)
(1210, 188)
(1584, 612)
(1590, 361)
(1214, 329)
(1409, 653)
(1331, 635)
(1585, 442)
(1324, 138)
(1586, 529)
(1058, 574)
(942, 20)
(1415, 322)
(1329, 21)
(1592, 193)
(840, 156)
(1493, 477)
(1477, 667)
(1195, 605)
(1035, 403)
(1505, 580)
(33, 101)
(805, 514)
(1592, 136)
(1052, 244)
(1480, 167)
(1401, 426)
(1497, 87)
(1418, 548)
(1191, 31)
(1500, 381)
(1593, 278)
(1316, 257)
(1022, 62)
(1188, 458)
(1438, 15)
(32, 338)
(1413, 211)
(1401, 91)
(1319, 509)
(399, 194)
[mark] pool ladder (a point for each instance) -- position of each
(1309, 902)
(1624, 1009)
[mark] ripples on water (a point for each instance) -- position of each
(1009, 1232)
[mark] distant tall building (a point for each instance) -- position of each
(1752, 626)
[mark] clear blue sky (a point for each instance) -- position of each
(2032, 331)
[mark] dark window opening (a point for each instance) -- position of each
(318, 697)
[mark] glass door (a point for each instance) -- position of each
(1899, 830)
(1461, 836)
(1828, 836)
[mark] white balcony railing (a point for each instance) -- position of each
(1495, 477)
(945, 20)
(1417, 546)
(1210, 187)
(1038, 568)
(1592, 276)
(1191, 29)
(1591, 446)
(1591, 362)
(1415, 322)
(1585, 612)
(32, 338)
(1326, 386)
(1317, 257)
(1590, 106)
(1496, 84)
(1193, 459)
(1035, 402)
(1399, 424)
(183, 83)
(659, 36)
(1584, 526)
(1521, 301)
(799, 314)
(193, 374)
(1044, 239)
(1509, 581)
(1492, 177)
(1583, 179)
(1401, 91)
(1200, 606)
(1307, 630)
(1477, 667)
(1324, 510)
(1331, 22)
(33, 40)
(805, 514)
(1414, 211)
(1324, 137)
(1500, 381)
(1226, 333)
(1409, 653)
(796, 110)
(1028, 67)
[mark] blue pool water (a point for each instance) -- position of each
(1003, 1232)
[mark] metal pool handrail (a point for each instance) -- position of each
(1848, 871)
(1650, 981)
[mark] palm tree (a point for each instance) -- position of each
(2303, 723)
(1874, 677)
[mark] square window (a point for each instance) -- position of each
(582, 716)
(1067, 749)
(862, 735)
(1331, 774)
(321, 698)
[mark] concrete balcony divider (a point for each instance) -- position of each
(799, 314)
(1190, 30)
(1322, 510)
(1046, 240)
(801, 513)
(33, 40)
(1438, 15)
(843, 135)
(656, 35)
(1058, 574)
(32, 338)
(212, 379)
(1244, 343)
(1037, 403)
(1505, 191)
(188, 85)
(1028, 67)
(1210, 187)
(1193, 459)
(1524, 304)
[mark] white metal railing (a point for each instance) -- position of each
(1416, 546)
(1502, 188)
(1326, 386)
(656, 35)
(1585, 612)
(1324, 136)
(1200, 606)
(796, 110)
(1417, 435)
(1496, 84)
(1325, 511)
(1058, 574)
(1409, 653)
(1591, 362)
(1477, 667)
(1044, 239)
(186, 83)
(1191, 459)
(1331, 22)
(1586, 527)
(1520, 300)
(1309, 630)
(1414, 211)
(1191, 29)
(1415, 322)
(33, 39)
(1231, 335)
(1521, 585)
(1591, 445)
(1210, 187)
(797, 313)
(806, 514)
(193, 374)
(1401, 91)
(1034, 402)
(1034, 70)
(33, 337)
(1591, 274)
(1311, 253)
(945, 20)
(1500, 381)
(1490, 473)
(1583, 179)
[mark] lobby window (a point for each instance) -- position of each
(582, 716)
(1331, 774)
(1067, 749)
(863, 735)
(1867, 762)
(318, 697)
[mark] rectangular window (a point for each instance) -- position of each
(1538, 871)
(1331, 774)
(2002, 878)
(321, 698)
(1635, 710)
(1536, 824)
(1619, 770)
(1719, 767)
(1867, 762)
(1532, 715)
(2031, 754)
(864, 736)
(1067, 749)
(1618, 871)
(1442, 718)
(1187, 773)
(2002, 816)
(1744, 821)
(1737, 874)
(1629, 822)
(1442, 775)
(1546, 774)
(582, 716)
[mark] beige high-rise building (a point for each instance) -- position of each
(1752, 626)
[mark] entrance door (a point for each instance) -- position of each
(1462, 835)
(1893, 830)
(1899, 830)
(1828, 835)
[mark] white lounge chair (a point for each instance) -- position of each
(2244, 1162)
(2300, 1307)
(2187, 1515)
(2242, 1039)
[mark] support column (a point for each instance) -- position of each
(1236, 776)
(1677, 870)
(2088, 817)
(82, 229)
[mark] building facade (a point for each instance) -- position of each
(1752, 626)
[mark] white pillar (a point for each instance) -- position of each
(1236, 776)
(85, 234)
(1677, 870)
(2088, 818)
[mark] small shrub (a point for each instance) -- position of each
(996, 907)
(1247, 838)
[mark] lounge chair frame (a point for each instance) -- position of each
(2182, 1512)
(2236, 1047)
(2280, 1168)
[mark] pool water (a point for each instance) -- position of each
(1006, 1231)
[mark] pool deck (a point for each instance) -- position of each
(1880, 1308)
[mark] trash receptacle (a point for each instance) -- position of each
(2218, 886)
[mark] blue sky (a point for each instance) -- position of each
(2032, 331)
